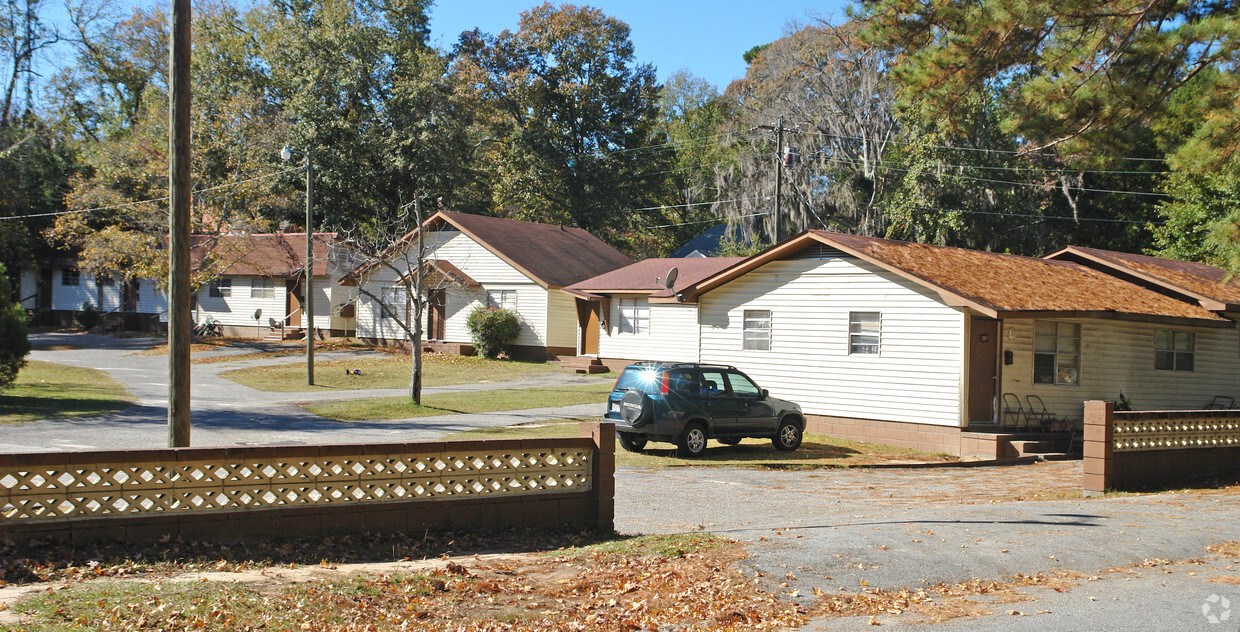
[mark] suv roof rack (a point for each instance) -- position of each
(684, 364)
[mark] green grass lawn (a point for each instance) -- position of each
(381, 408)
(816, 450)
(45, 390)
(384, 371)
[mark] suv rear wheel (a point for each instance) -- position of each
(788, 436)
(693, 442)
(631, 442)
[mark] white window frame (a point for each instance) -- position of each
(1059, 347)
(262, 288)
(70, 276)
(634, 315)
(756, 330)
(865, 337)
(1182, 360)
(220, 288)
(502, 299)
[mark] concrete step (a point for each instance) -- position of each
(582, 364)
(1027, 448)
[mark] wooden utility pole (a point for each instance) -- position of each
(179, 323)
(779, 173)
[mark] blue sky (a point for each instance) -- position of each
(707, 38)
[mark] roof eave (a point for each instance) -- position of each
(1217, 322)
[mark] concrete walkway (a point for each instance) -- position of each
(226, 413)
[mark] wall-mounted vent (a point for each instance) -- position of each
(819, 252)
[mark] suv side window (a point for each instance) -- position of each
(713, 384)
(742, 386)
(683, 381)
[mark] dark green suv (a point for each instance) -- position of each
(687, 404)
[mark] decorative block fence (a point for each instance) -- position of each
(140, 495)
(1157, 449)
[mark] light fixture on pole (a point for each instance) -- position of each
(308, 298)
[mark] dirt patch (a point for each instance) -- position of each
(1226, 549)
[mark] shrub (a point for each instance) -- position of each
(14, 343)
(88, 316)
(491, 329)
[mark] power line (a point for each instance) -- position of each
(881, 165)
(708, 221)
(152, 200)
(981, 149)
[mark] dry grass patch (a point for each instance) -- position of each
(816, 451)
(1226, 549)
(384, 371)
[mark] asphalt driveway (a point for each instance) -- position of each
(224, 413)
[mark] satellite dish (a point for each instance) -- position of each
(669, 280)
(258, 313)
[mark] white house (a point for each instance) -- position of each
(259, 290)
(915, 345)
(632, 314)
(56, 288)
(489, 261)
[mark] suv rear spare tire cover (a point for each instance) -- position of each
(636, 408)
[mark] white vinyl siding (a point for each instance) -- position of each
(1118, 356)
(671, 337)
(917, 378)
(494, 275)
(29, 281)
(71, 297)
(561, 320)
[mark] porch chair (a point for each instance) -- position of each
(1012, 408)
(1037, 411)
(1221, 402)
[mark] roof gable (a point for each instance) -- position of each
(1212, 287)
(551, 256)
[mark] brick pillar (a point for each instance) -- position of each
(603, 488)
(1099, 449)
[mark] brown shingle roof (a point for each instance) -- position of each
(262, 254)
(640, 276)
(990, 282)
(1198, 280)
(553, 256)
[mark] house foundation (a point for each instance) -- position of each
(924, 437)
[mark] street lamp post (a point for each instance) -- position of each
(308, 302)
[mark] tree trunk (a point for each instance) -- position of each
(415, 379)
